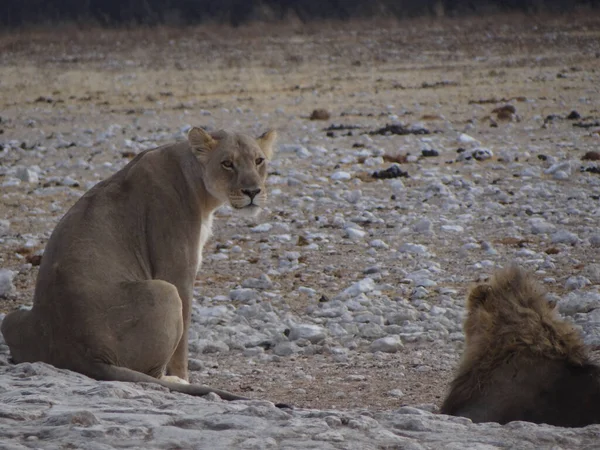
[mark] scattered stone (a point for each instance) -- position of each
(388, 344)
(27, 175)
(312, 333)
(576, 282)
(6, 282)
(340, 176)
(355, 234)
(564, 237)
(244, 295)
(262, 228)
(4, 227)
(393, 171)
(320, 114)
(398, 129)
(430, 153)
(591, 156)
(574, 115)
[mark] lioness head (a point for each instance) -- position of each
(235, 166)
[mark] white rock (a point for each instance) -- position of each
(378, 243)
(464, 138)
(243, 295)
(452, 228)
(422, 226)
(576, 282)
(340, 176)
(355, 234)
(4, 227)
(27, 175)
(409, 247)
(6, 282)
(363, 286)
(388, 344)
(312, 333)
(262, 228)
(263, 282)
(540, 226)
(564, 237)
(396, 393)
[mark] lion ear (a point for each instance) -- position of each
(200, 141)
(266, 141)
(479, 295)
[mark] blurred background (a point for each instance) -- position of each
(16, 13)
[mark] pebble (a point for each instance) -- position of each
(340, 176)
(564, 237)
(355, 234)
(6, 282)
(4, 227)
(262, 228)
(312, 333)
(27, 175)
(244, 295)
(360, 287)
(388, 344)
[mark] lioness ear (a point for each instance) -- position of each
(266, 141)
(200, 141)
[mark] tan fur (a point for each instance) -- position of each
(114, 291)
(521, 361)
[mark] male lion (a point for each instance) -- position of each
(114, 290)
(522, 362)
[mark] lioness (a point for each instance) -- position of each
(113, 295)
(522, 362)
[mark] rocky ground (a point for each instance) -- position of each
(345, 297)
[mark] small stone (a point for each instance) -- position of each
(244, 295)
(397, 393)
(320, 114)
(466, 139)
(355, 234)
(564, 237)
(422, 226)
(388, 344)
(4, 227)
(576, 282)
(540, 226)
(591, 156)
(452, 228)
(409, 247)
(360, 287)
(340, 176)
(27, 175)
(262, 228)
(378, 243)
(353, 196)
(6, 282)
(482, 154)
(430, 153)
(285, 349)
(312, 333)
(263, 283)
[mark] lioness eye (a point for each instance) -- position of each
(259, 161)
(227, 164)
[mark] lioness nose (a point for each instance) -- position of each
(251, 192)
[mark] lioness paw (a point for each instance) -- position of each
(174, 379)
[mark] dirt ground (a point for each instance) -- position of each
(58, 81)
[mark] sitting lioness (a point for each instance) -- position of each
(114, 291)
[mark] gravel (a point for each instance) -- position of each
(345, 297)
